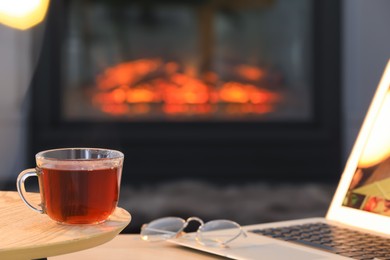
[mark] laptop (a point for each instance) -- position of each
(359, 212)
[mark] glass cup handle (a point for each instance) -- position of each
(22, 190)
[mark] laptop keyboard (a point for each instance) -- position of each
(338, 240)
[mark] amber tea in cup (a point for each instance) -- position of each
(77, 185)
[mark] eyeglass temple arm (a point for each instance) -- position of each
(242, 232)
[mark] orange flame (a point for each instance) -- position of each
(127, 73)
(249, 72)
(152, 81)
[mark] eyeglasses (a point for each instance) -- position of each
(213, 233)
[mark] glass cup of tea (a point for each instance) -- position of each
(77, 185)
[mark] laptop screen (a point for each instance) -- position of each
(369, 189)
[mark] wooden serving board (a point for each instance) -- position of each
(26, 234)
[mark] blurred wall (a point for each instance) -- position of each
(15, 75)
(366, 49)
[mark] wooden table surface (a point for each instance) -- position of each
(129, 247)
(25, 234)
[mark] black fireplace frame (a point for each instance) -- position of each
(216, 151)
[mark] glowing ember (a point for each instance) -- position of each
(141, 86)
(250, 73)
(127, 73)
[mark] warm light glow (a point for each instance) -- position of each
(249, 72)
(115, 109)
(234, 92)
(128, 73)
(119, 95)
(141, 95)
(178, 90)
(378, 143)
(22, 14)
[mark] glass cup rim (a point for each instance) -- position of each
(42, 155)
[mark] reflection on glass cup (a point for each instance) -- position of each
(77, 185)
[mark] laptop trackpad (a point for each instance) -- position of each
(271, 251)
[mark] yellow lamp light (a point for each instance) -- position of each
(22, 14)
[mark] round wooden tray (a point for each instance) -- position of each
(26, 234)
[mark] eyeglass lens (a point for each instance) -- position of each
(162, 229)
(218, 232)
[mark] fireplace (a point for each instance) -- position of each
(216, 90)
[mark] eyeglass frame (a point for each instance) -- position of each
(178, 233)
